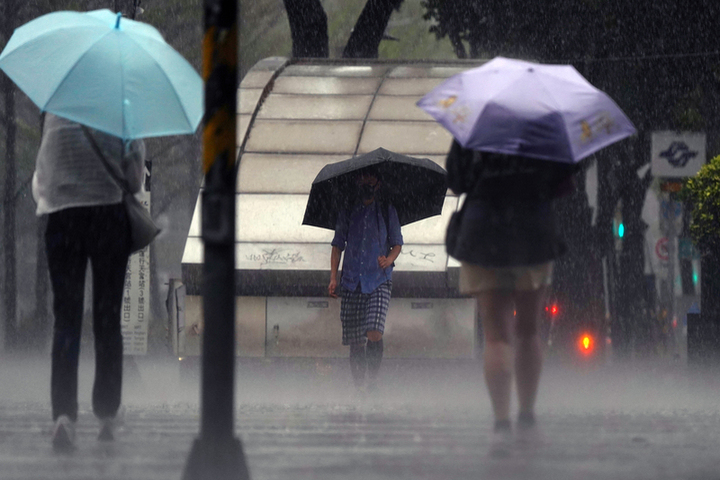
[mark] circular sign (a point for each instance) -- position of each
(661, 249)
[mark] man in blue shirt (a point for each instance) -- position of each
(369, 233)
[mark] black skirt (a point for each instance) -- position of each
(507, 234)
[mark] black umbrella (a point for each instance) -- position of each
(414, 186)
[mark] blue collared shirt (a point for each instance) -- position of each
(362, 234)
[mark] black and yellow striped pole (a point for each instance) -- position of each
(217, 454)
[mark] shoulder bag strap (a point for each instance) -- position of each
(120, 182)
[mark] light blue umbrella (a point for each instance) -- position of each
(112, 74)
(549, 112)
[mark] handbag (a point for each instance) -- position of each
(453, 229)
(143, 229)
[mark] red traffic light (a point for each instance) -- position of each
(553, 309)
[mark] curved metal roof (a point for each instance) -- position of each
(294, 117)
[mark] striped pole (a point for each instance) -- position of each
(217, 453)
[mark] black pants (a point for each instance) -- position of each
(74, 236)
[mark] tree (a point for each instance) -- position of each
(702, 193)
(308, 28)
(370, 28)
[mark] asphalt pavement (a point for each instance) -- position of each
(300, 419)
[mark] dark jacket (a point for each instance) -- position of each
(508, 217)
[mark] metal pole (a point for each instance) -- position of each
(217, 454)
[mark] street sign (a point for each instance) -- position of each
(661, 249)
(670, 209)
(677, 154)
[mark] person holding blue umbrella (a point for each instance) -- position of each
(105, 83)
(77, 187)
(520, 129)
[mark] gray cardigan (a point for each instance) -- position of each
(68, 172)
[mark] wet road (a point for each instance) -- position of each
(300, 421)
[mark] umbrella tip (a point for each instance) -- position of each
(117, 21)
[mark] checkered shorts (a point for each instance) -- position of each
(363, 312)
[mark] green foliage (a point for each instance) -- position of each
(703, 193)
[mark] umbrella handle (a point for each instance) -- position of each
(117, 21)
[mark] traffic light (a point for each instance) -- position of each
(586, 344)
(618, 227)
(552, 311)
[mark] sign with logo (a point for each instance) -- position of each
(677, 154)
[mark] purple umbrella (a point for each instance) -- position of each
(550, 112)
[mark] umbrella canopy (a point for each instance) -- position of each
(116, 75)
(414, 186)
(549, 112)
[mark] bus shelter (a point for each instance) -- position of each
(294, 117)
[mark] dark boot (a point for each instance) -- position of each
(358, 364)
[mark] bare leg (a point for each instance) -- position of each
(528, 353)
(496, 311)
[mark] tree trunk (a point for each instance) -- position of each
(308, 28)
(365, 39)
(10, 287)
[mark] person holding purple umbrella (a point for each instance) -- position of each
(520, 129)
(506, 241)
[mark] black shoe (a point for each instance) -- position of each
(526, 420)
